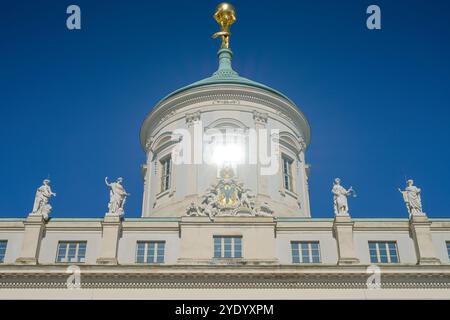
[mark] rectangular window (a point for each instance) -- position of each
(305, 252)
(71, 251)
(150, 252)
(3, 244)
(287, 173)
(383, 252)
(166, 167)
(227, 247)
(448, 249)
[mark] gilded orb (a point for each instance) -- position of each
(225, 16)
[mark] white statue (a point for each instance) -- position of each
(246, 198)
(117, 197)
(192, 210)
(41, 201)
(265, 210)
(411, 196)
(340, 195)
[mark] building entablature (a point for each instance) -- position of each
(226, 241)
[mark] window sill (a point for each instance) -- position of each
(292, 194)
(168, 192)
(228, 260)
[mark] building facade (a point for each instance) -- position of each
(225, 214)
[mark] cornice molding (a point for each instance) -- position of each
(213, 94)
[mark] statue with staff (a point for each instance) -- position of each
(340, 195)
(412, 198)
(117, 197)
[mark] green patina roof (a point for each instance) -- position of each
(226, 75)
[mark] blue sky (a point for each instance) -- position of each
(72, 102)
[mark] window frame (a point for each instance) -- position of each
(297, 246)
(386, 248)
(147, 244)
(67, 250)
(289, 175)
(3, 255)
(166, 177)
(223, 244)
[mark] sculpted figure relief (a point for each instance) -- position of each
(117, 197)
(41, 201)
(340, 195)
(413, 201)
(228, 197)
(245, 198)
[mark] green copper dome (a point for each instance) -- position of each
(226, 75)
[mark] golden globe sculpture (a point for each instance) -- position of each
(225, 16)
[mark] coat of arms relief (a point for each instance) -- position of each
(228, 197)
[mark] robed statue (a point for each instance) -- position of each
(340, 195)
(41, 201)
(117, 197)
(411, 196)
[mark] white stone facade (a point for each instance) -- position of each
(269, 241)
(222, 107)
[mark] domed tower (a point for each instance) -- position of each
(225, 145)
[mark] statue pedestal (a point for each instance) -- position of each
(112, 227)
(34, 229)
(343, 232)
(419, 227)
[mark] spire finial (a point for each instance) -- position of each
(225, 16)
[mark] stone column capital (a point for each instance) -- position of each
(192, 118)
(260, 117)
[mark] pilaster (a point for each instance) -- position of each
(195, 132)
(112, 228)
(343, 233)
(34, 231)
(260, 120)
(419, 227)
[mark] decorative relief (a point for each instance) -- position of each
(266, 280)
(228, 197)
